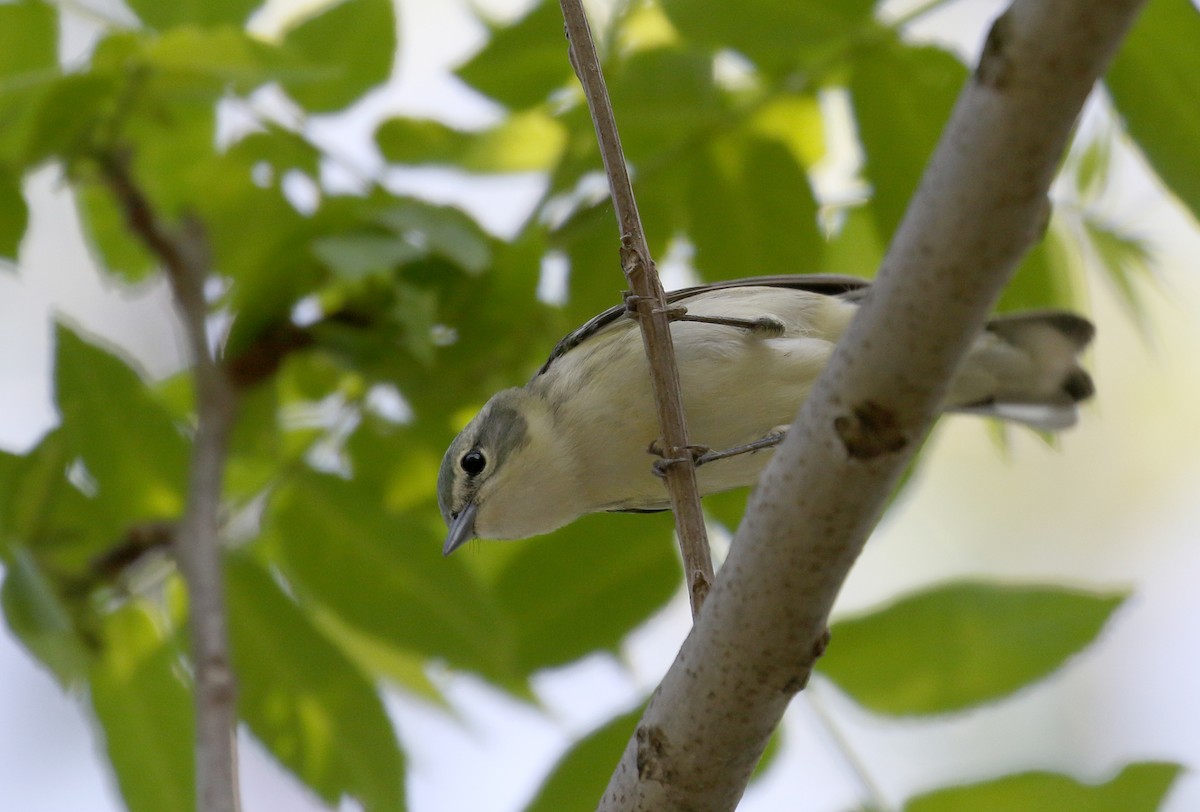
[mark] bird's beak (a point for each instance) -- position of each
(462, 529)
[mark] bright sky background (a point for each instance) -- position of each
(1115, 506)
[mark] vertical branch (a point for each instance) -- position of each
(650, 309)
(197, 547)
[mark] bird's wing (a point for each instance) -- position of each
(850, 287)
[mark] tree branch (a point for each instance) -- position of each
(980, 205)
(649, 305)
(197, 543)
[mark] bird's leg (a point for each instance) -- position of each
(774, 438)
(762, 327)
(659, 469)
(702, 454)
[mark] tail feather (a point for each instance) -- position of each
(1026, 368)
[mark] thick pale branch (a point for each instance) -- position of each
(981, 204)
(197, 545)
(650, 306)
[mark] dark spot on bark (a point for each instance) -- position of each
(995, 65)
(652, 748)
(870, 431)
(821, 644)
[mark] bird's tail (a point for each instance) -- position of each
(1026, 368)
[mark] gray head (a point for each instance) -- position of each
(474, 465)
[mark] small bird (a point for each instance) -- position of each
(574, 439)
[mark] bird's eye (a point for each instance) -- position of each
(473, 462)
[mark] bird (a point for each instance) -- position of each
(574, 439)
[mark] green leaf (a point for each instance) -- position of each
(385, 574)
(356, 39)
(1138, 788)
(657, 116)
(772, 33)
(752, 211)
(523, 142)
(37, 615)
(305, 700)
(1043, 279)
(64, 117)
(902, 98)
(587, 586)
(442, 230)
(197, 58)
(14, 215)
(581, 775)
(107, 233)
(28, 41)
(132, 449)
(28, 62)
(162, 16)
(1156, 69)
(146, 713)
(1125, 258)
(961, 644)
(352, 256)
(522, 63)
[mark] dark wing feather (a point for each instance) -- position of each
(850, 287)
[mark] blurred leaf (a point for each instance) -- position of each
(357, 255)
(386, 575)
(279, 148)
(64, 118)
(857, 247)
(442, 230)
(28, 66)
(14, 215)
(1157, 66)
(306, 701)
(105, 229)
(379, 659)
(1138, 788)
(146, 713)
(1125, 259)
(416, 310)
(585, 587)
(958, 645)
(28, 41)
(752, 211)
(522, 63)
(37, 616)
(581, 775)
(679, 104)
(523, 142)
(162, 16)
(1043, 279)
(772, 33)
(902, 99)
(795, 121)
(356, 39)
(135, 453)
(213, 59)
(1092, 167)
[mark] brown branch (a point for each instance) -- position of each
(981, 204)
(197, 543)
(648, 304)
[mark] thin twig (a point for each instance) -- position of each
(980, 205)
(649, 305)
(197, 548)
